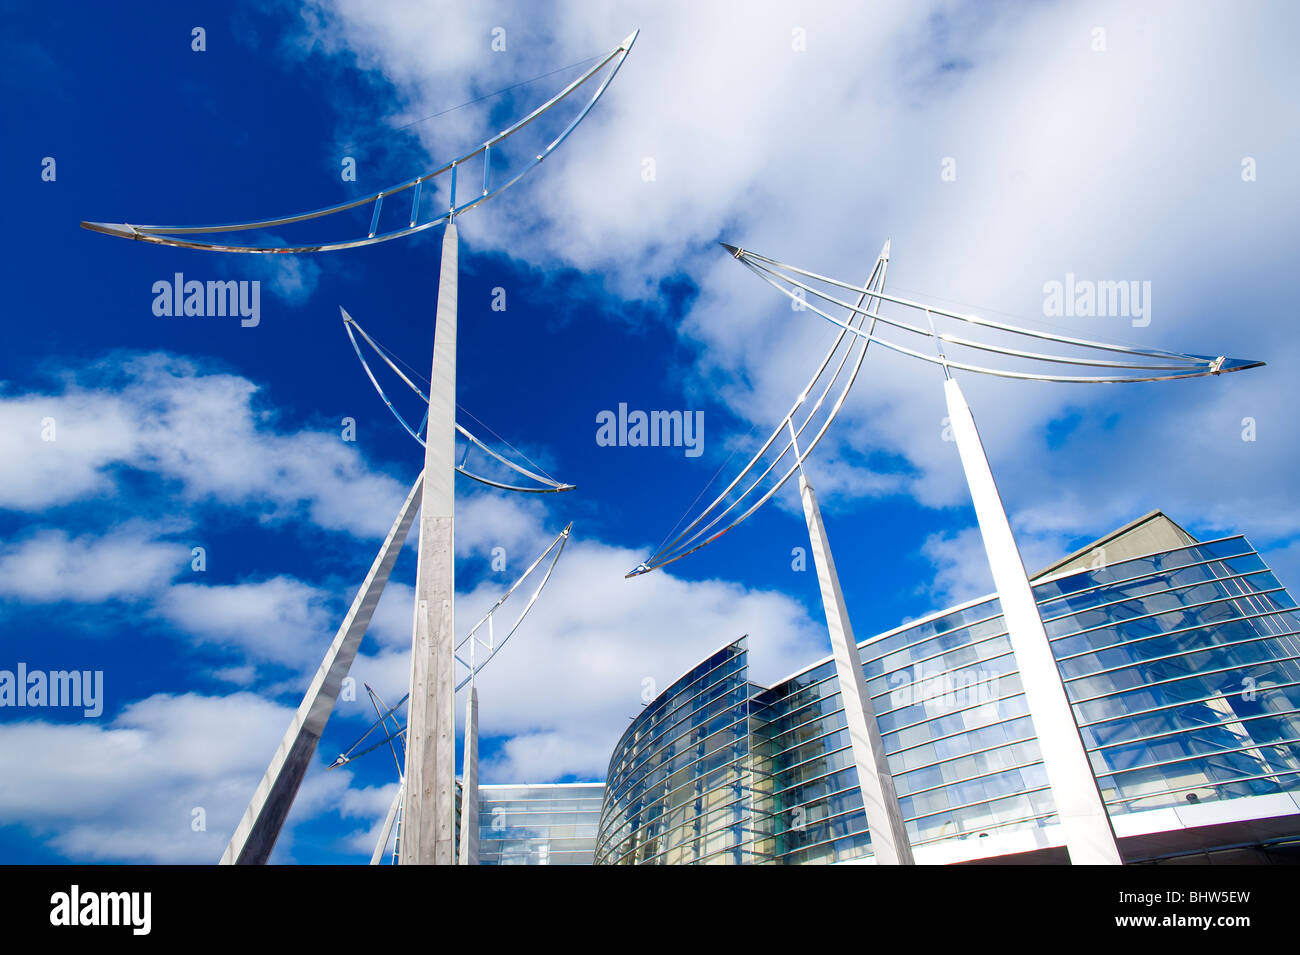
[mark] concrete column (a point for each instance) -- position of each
(260, 826)
(889, 840)
(428, 820)
(469, 783)
(1089, 836)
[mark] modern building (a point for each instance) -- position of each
(1180, 657)
(551, 824)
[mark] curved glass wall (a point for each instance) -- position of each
(678, 788)
(1183, 669)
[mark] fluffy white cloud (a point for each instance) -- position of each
(128, 790)
(282, 619)
(961, 569)
(126, 563)
(204, 431)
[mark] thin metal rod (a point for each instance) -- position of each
(350, 753)
(981, 346)
(415, 205)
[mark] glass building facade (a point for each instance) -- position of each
(1182, 666)
(552, 824)
(679, 788)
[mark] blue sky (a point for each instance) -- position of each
(1123, 162)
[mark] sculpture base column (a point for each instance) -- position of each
(1089, 836)
(469, 783)
(429, 818)
(889, 841)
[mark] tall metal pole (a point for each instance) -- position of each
(469, 783)
(1089, 836)
(429, 814)
(889, 841)
(255, 836)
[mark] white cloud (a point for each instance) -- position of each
(202, 430)
(291, 278)
(282, 619)
(127, 563)
(961, 569)
(127, 790)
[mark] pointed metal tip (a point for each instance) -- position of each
(884, 250)
(1222, 365)
(629, 39)
(344, 312)
(732, 249)
(111, 228)
(1237, 364)
(567, 527)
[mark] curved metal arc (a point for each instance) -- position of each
(981, 346)
(1238, 364)
(165, 235)
(744, 254)
(350, 323)
(551, 485)
(347, 325)
(881, 263)
(683, 542)
(559, 542)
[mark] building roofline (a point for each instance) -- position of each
(1047, 571)
(1042, 577)
(678, 679)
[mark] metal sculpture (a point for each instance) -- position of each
(468, 854)
(428, 819)
(889, 840)
(1088, 834)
